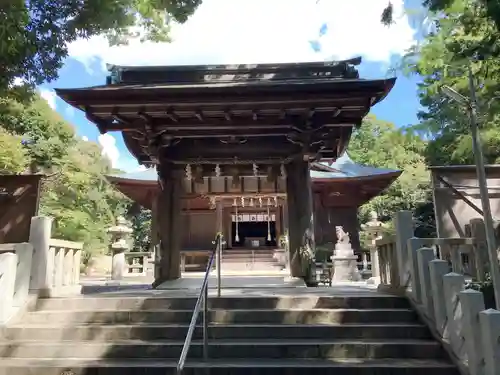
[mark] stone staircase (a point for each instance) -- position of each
(289, 335)
(249, 260)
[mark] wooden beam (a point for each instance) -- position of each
(297, 99)
(461, 195)
(171, 115)
(327, 118)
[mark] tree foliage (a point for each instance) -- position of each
(140, 218)
(489, 8)
(35, 33)
(33, 138)
(380, 144)
(465, 36)
(13, 157)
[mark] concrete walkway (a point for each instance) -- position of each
(232, 286)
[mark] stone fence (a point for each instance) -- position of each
(42, 267)
(432, 273)
(139, 263)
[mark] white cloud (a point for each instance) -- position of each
(50, 96)
(85, 138)
(109, 149)
(129, 164)
(253, 31)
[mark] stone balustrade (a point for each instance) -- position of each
(432, 273)
(138, 263)
(43, 267)
(15, 260)
(63, 264)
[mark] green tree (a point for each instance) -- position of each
(75, 192)
(464, 36)
(140, 218)
(45, 134)
(489, 9)
(35, 33)
(379, 143)
(13, 158)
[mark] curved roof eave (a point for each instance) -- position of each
(344, 168)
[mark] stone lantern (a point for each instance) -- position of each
(119, 234)
(374, 230)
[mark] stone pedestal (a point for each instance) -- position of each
(119, 246)
(345, 263)
(118, 261)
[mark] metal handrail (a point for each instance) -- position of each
(203, 297)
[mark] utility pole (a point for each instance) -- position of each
(483, 190)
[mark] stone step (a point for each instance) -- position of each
(149, 332)
(226, 349)
(248, 255)
(243, 367)
(249, 266)
(248, 260)
(290, 316)
(256, 250)
(187, 303)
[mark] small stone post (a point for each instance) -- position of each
(8, 269)
(425, 255)
(413, 273)
(453, 284)
(437, 269)
(472, 303)
(489, 321)
(42, 265)
(404, 225)
(119, 246)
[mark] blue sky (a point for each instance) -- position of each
(241, 32)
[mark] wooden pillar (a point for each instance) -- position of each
(277, 223)
(300, 218)
(228, 235)
(286, 231)
(169, 209)
(155, 238)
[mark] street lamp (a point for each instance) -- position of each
(471, 106)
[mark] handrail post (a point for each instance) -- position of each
(218, 250)
(205, 324)
(217, 260)
(202, 301)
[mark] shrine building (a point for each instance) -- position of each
(257, 219)
(250, 151)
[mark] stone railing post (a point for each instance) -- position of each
(425, 255)
(119, 246)
(472, 303)
(437, 269)
(8, 269)
(489, 321)
(403, 223)
(24, 253)
(42, 261)
(412, 272)
(453, 284)
(480, 251)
